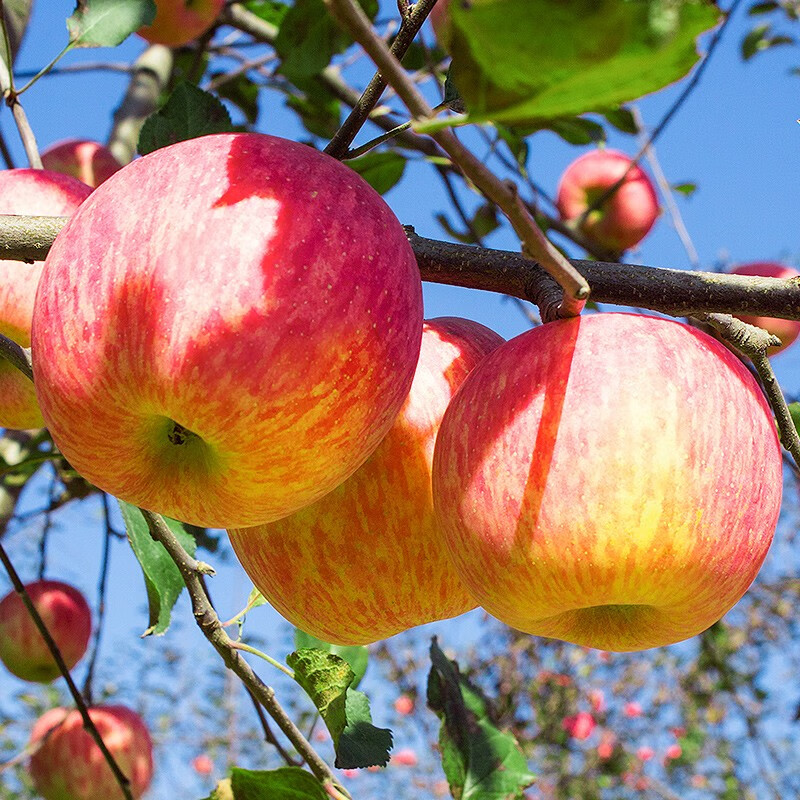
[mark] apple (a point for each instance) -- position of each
(226, 329)
(626, 217)
(368, 560)
(178, 22)
(88, 161)
(67, 764)
(66, 615)
(612, 480)
(38, 192)
(787, 330)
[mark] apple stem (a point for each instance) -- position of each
(179, 435)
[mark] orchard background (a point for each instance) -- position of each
(716, 716)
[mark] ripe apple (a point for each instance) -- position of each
(68, 764)
(178, 22)
(226, 329)
(66, 614)
(38, 192)
(787, 330)
(626, 217)
(88, 161)
(368, 561)
(612, 480)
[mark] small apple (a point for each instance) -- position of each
(226, 329)
(67, 764)
(625, 218)
(37, 192)
(787, 330)
(178, 22)
(368, 561)
(580, 725)
(612, 480)
(88, 161)
(66, 615)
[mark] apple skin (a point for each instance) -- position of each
(67, 616)
(612, 480)
(70, 766)
(226, 329)
(178, 22)
(38, 192)
(787, 330)
(368, 560)
(88, 161)
(624, 219)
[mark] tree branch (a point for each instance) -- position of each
(208, 621)
(80, 704)
(535, 244)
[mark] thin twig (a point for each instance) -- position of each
(102, 583)
(753, 342)
(208, 621)
(80, 704)
(535, 244)
(412, 22)
(20, 357)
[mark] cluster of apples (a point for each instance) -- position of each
(65, 762)
(227, 331)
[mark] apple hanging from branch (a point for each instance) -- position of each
(88, 161)
(67, 764)
(226, 329)
(624, 218)
(37, 192)
(68, 618)
(612, 480)
(178, 22)
(368, 560)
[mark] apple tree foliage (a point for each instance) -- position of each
(709, 718)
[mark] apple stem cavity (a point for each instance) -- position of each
(179, 435)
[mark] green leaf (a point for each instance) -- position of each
(107, 23)
(161, 576)
(754, 41)
(480, 761)
(361, 743)
(16, 14)
(483, 222)
(357, 656)
(687, 189)
(270, 11)
(309, 37)
(190, 112)
(763, 8)
(590, 55)
(380, 170)
(242, 92)
(327, 679)
(622, 119)
(286, 783)
(577, 130)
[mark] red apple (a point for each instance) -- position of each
(67, 617)
(368, 560)
(68, 764)
(612, 480)
(226, 329)
(38, 192)
(626, 217)
(85, 160)
(787, 330)
(178, 22)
